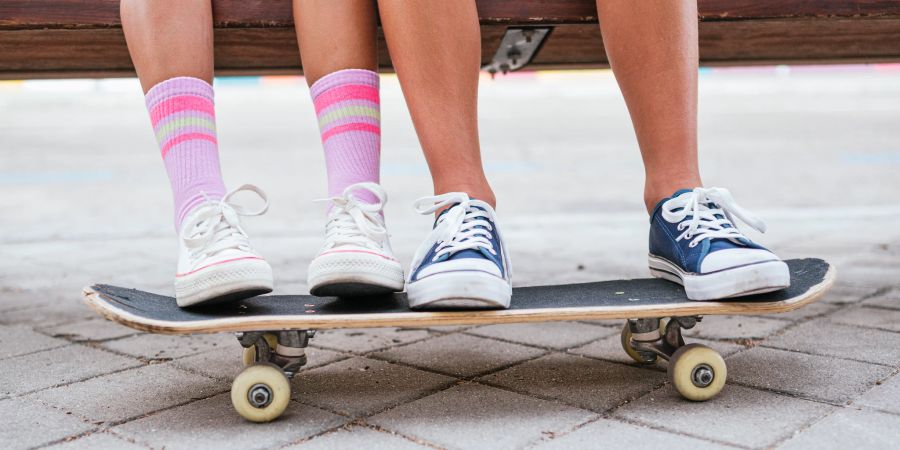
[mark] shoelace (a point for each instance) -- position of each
(218, 228)
(355, 222)
(708, 222)
(461, 228)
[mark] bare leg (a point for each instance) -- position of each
(335, 36)
(436, 49)
(652, 47)
(169, 38)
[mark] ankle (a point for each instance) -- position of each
(654, 193)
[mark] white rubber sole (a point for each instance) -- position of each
(231, 281)
(751, 279)
(459, 290)
(354, 274)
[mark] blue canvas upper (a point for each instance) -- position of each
(663, 241)
(479, 253)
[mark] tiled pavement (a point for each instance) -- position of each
(825, 376)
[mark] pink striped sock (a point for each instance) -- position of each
(184, 120)
(347, 105)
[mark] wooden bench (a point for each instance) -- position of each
(72, 38)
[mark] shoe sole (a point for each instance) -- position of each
(756, 278)
(352, 274)
(459, 290)
(224, 283)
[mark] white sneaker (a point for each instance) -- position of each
(356, 259)
(216, 263)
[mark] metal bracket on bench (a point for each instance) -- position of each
(517, 48)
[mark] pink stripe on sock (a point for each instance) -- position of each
(184, 138)
(351, 127)
(178, 104)
(343, 93)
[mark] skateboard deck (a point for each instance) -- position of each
(619, 299)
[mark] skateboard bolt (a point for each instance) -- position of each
(260, 396)
(702, 376)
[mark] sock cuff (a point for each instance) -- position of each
(344, 77)
(178, 86)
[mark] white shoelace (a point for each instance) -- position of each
(461, 228)
(704, 223)
(218, 228)
(354, 222)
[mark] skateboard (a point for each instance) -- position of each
(274, 330)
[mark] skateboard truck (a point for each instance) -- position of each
(517, 48)
(696, 371)
(261, 392)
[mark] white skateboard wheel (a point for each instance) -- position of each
(697, 372)
(260, 393)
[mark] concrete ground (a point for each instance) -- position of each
(814, 152)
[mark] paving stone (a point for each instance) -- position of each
(90, 330)
(166, 346)
(885, 396)
(27, 424)
(358, 437)
(225, 362)
(616, 434)
(823, 337)
(48, 315)
(18, 340)
(848, 293)
(460, 355)
(98, 441)
(610, 349)
(132, 393)
(555, 335)
(850, 428)
(807, 312)
(213, 424)
(583, 382)
(477, 416)
(818, 377)
(361, 386)
(14, 298)
(735, 327)
(884, 319)
(738, 415)
(34, 371)
(890, 299)
(366, 340)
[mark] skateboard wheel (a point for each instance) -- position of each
(638, 357)
(260, 393)
(249, 353)
(697, 372)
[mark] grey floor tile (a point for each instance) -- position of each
(616, 434)
(361, 386)
(610, 349)
(583, 382)
(850, 428)
(358, 437)
(477, 416)
(881, 318)
(735, 327)
(132, 393)
(27, 424)
(21, 340)
(890, 299)
(460, 355)
(213, 424)
(165, 346)
(90, 330)
(885, 396)
(555, 335)
(48, 315)
(738, 415)
(58, 366)
(367, 339)
(848, 293)
(823, 337)
(818, 377)
(99, 441)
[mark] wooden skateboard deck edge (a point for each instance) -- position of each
(414, 319)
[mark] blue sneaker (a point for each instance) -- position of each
(462, 263)
(694, 242)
